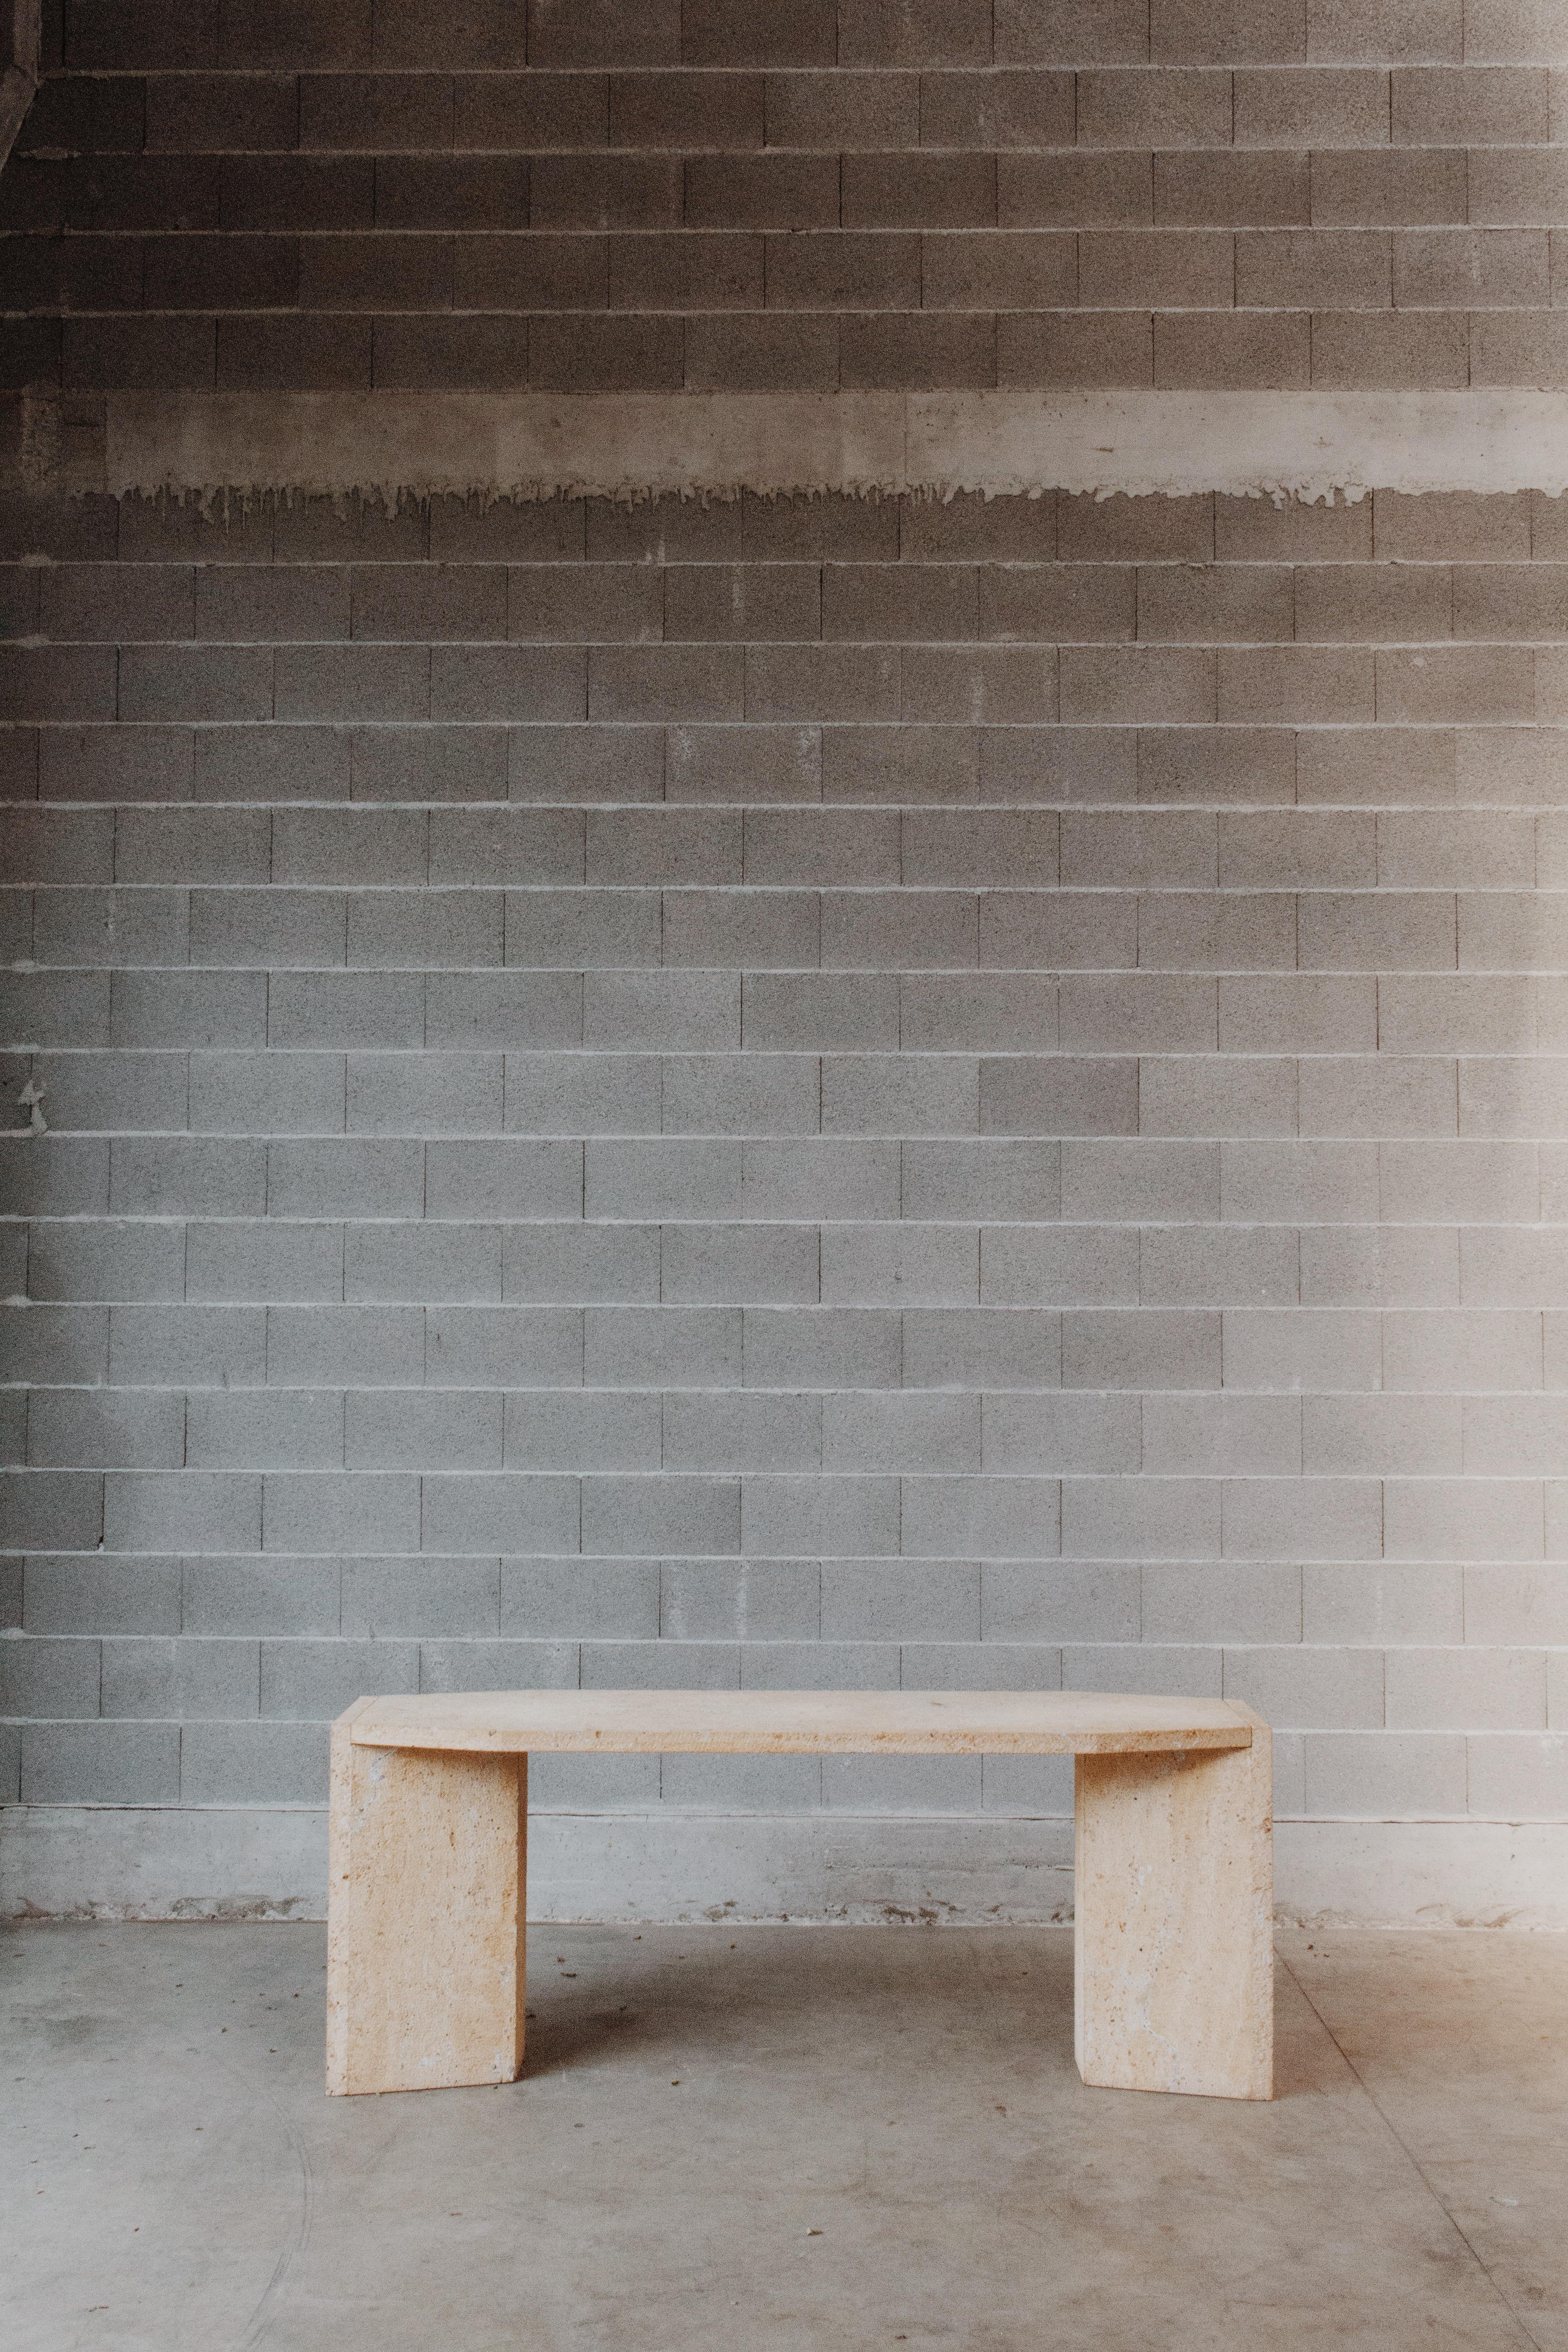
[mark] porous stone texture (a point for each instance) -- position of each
(861, 1091)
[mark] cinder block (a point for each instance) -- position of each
(44, 1344)
(1506, 1604)
(435, 929)
(740, 1431)
(262, 1262)
(115, 928)
(902, 1266)
(1221, 1601)
(580, 1600)
(635, 1346)
(1376, 932)
(1318, 1689)
(491, 1347)
(188, 1678)
(410, 1094)
(1302, 1349)
(672, 1513)
(1076, 1267)
(40, 1676)
(1042, 1602)
(1326, 1518)
(1368, 1095)
(448, 1430)
(491, 1010)
(819, 1012)
(344, 1178)
(819, 1349)
(1514, 1779)
(1518, 1437)
(1483, 1348)
(870, 1094)
(60, 846)
(1462, 1519)
(969, 1347)
(130, 1429)
(738, 1264)
(1060, 1434)
(1144, 1517)
(990, 1518)
(811, 1519)
(179, 1510)
(329, 1345)
(100, 1764)
(109, 1260)
(883, 931)
(1466, 1181)
(661, 1178)
(319, 1009)
(69, 1594)
(1468, 1689)
(1386, 1266)
(1486, 683)
(1302, 106)
(977, 1012)
(668, 1012)
(270, 762)
(270, 928)
(660, 1665)
(723, 929)
(564, 1094)
(750, 763)
(422, 1263)
(740, 1093)
(475, 1513)
(578, 929)
(567, 1265)
(900, 1431)
(803, 1177)
(842, 682)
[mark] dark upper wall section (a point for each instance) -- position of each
(880, 194)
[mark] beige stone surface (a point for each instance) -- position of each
(1175, 1885)
(801, 1722)
(1173, 1901)
(424, 1918)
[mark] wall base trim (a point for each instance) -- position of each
(1309, 445)
(257, 1862)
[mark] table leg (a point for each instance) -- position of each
(1173, 1908)
(425, 1911)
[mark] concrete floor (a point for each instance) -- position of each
(790, 2137)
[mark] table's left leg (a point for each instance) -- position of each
(425, 1912)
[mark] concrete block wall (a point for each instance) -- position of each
(876, 194)
(801, 1091)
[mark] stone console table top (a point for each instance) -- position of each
(800, 1723)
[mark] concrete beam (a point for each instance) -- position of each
(1310, 446)
(257, 1862)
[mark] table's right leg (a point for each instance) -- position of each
(1173, 1910)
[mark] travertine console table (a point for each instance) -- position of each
(1173, 1893)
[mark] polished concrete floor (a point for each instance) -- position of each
(801, 2138)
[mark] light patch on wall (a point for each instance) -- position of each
(1310, 446)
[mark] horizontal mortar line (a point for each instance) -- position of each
(520, 1476)
(793, 1389)
(653, 1221)
(630, 647)
(308, 69)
